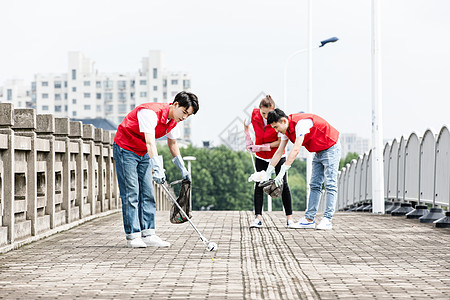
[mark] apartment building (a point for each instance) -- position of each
(84, 93)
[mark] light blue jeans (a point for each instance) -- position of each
(134, 176)
(325, 165)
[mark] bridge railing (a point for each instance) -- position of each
(54, 174)
(416, 171)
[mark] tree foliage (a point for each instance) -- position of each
(348, 159)
(220, 179)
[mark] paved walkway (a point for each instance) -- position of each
(364, 256)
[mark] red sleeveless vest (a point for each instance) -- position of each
(320, 137)
(130, 138)
(264, 134)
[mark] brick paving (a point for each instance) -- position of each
(363, 257)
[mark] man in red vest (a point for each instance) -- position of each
(316, 135)
(135, 157)
(265, 146)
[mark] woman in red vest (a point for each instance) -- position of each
(135, 157)
(316, 135)
(265, 146)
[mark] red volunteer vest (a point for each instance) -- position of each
(263, 134)
(320, 137)
(130, 138)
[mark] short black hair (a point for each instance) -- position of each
(187, 99)
(275, 116)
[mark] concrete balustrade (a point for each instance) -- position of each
(54, 174)
(416, 170)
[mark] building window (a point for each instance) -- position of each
(155, 88)
(174, 81)
(132, 106)
(74, 101)
(99, 95)
(186, 84)
(143, 82)
(132, 83)
(65, 107)
(87, 83)
(108, 84)
(74, 74)
(121, 84)
(57, 96)
(108, 96)
(98, 84)
(132, 95)
(164, 82)
(45, 107)
(87, 107)
(65, 96)
(9, 94)
(165, 95)
(44, 83)
(109, 108)
(44, 96)
(155, 99)
(74, 114)
(65, 83)
(57, 108)
(122, 96)
(155, 73)
(143, 94)
(122, 108)
(74, 89)
(87, 95)
(33, 86)
(99, 108)
(57, 84)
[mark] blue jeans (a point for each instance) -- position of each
(134, 176)
(325, 165)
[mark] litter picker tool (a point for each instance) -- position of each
(210, 246)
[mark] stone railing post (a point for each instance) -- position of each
(107, 157)
(24, 125)
(88, 140)
(45, 128)
(98, 139)
(6, 123)
(75, 135)
(62, 130)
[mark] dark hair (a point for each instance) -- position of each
(267, 102)
(187, 99)
(275, 116)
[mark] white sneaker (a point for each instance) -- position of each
(325, 224)
(256, 224)
(291, 224)
(155, 241)
(136, 243)
(305, 224)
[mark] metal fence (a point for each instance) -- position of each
(54, 173)
(416, 171)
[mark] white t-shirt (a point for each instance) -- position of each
(148, 120)
(303, 126)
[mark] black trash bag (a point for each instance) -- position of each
(271, 189)
(184, 200)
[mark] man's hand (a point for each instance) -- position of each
(279, 178)
(269, 171)
(257, 148)
(158, 175)
(178, 161)
(248, 140)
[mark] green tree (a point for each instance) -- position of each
(348, 159)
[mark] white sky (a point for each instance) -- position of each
(236, 49)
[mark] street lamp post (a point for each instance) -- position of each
(309, 107)
(322, 43)
(189, 159)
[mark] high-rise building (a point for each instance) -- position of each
(84, 93)
(18, 93)
(350, 142)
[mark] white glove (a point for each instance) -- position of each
(158, 175)
(178, 161)
(279, 178)
(269, 171)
